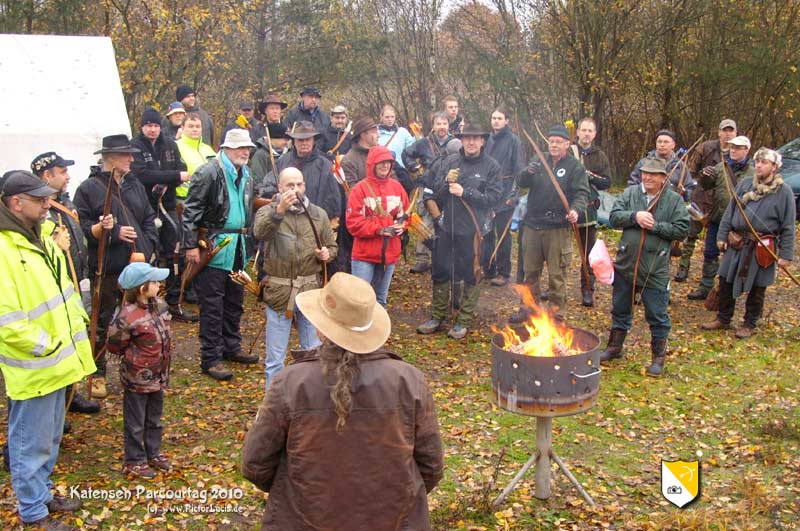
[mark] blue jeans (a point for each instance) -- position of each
(655, 308)
(35, 426)
(379, 277)
(278, 330)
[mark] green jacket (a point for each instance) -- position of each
(716, 190)
(672, 223)
(545, 210)
(42, 320)
(289, 250)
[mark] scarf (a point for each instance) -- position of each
(387, 128)
(737, 166)
(762, 189)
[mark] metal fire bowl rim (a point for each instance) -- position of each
(521, 328)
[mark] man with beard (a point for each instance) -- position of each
(220, 206)
(336, 131)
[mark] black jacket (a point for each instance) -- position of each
(330, 137)
(424, 152)
(480, 177)
(208, 202)
(321, 186)
(77, 248)
(455, 125)
(545, 210)
(168, 130)
(134, 211)
(158, 163)
(298, 113)
(505, 147)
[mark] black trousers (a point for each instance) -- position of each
(221, 306)
(588, 238)
(753, 306)
(110, 296)
(453, 257)
(169, 235)
(141, 418)
(501, 266)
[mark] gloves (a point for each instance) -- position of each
(533, 166)
(452, 175)
(387, 231)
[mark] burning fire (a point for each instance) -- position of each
(547, 337)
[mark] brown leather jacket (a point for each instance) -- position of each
(373, 475)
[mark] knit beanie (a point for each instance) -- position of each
(182, 91)
(150, 116)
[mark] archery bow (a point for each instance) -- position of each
(317, 239)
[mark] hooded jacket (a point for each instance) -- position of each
(373, 475)
(365, 219)
(321, 186)
(158, 163)
(134, 211)
(42, 320)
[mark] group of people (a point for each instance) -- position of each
(322, 205)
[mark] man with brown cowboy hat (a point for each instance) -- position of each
(770, 208)
(321, 187)
(460, 195)
(354, 163)
(308, 111)
(131, 226)
(270, 108)
(322, 413)
(220, 201)
(290, 268)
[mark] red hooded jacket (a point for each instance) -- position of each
(365, 220)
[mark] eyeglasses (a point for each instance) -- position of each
(41, 200)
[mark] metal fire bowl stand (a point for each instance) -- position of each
(546, 387)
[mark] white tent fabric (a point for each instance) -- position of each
(59, 93)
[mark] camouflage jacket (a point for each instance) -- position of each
(141, 336)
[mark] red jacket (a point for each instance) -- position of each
(365, 222)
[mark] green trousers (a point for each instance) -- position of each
(554, 248)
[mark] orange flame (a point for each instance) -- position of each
(546, 336)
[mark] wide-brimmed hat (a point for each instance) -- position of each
(654, 165)
(277, 131)
(313, 91)
(117, 144)
(347, 312)
(271, 98)
(472, 130)
(362, 125)
(236, 138)
(303, 129)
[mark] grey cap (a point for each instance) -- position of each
(24, 182)
(727, 122)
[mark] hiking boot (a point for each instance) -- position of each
(457, 332)
(420, 267)
(520, 316)
(744, 332)
(218, 372)
(430, 326)
(179, 313)
(716, 324)
(60, 504)
(658, 347)
(141, 470)
(240, 358)
(161, 462)
(67, 427)
(48, 523)
(587, 298)
(499, 281)
(698, 295)
(616, 339)
(681, 275)
(81, 405)
(99, 389)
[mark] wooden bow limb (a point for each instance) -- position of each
(71, 263)
(650, 208)
(740, 207)
(98, 280)
(344, 134)
(500, 241)
(560, 192)
(272, 158)
(317, 239)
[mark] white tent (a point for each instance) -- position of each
(59, 94)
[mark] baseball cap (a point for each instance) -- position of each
(24, 182)
(138, 273)
(48, 160)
